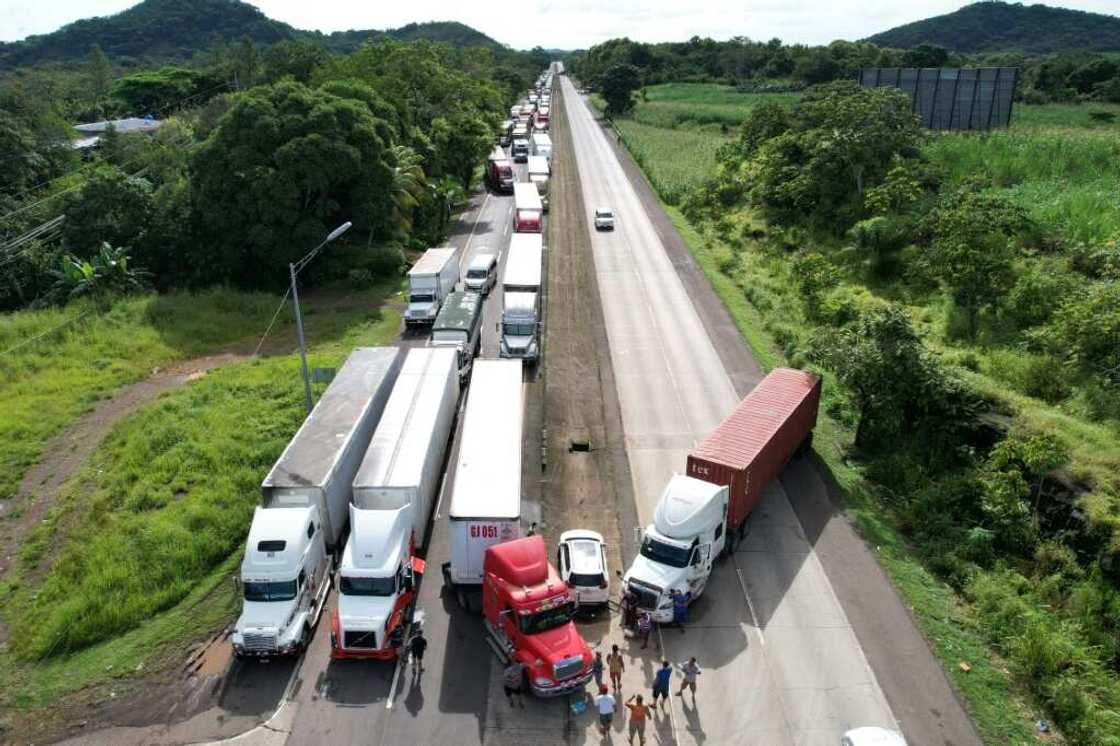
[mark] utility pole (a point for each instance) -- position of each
(294, 269)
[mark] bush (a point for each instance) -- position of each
(1036, 294)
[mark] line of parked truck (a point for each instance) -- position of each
(370, 458)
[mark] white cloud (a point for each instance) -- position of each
(556, 23)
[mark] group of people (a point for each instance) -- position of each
(606, 702)
(638, 622)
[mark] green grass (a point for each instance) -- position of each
(952, 629)
(46, 384)
(658, 152)
(677, 105)
(1052, 116)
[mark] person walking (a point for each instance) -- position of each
(597, 666)
(690, 670)
(606, 704)
(615, 666)
(514, 675)
(661, 684)
(629, 611)
(645, 626)
(417, 644)
(639, 713)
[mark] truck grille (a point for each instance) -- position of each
(648, 595)
(568, 667)
(366, 638)
(260, 642)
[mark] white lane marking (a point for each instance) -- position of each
(750, 606)
(396, 677)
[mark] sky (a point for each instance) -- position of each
(561, 24)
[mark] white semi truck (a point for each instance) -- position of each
(430, 281)
(393, 493)
(486, 496)
(521, 287)
(285, 575)
(541, 144)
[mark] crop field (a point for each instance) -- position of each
(676, 105)
(658, 151)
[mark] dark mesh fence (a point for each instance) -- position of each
(951, 98)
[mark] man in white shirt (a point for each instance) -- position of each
(605, 702)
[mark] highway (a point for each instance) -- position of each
(782, 664)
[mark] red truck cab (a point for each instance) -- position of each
(527, 610)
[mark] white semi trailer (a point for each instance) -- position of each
(521, 288)
(393, 493)
(486, 496)
(430, 281)
(285, 575)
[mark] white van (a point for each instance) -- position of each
(482, 273)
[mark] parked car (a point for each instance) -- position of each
(872, 736)
(582, 559)
(604, 219)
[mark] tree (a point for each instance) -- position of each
(293, 58)
(461, 141)
(246, 64)
(111, 207)
(409, 187)
(106, 274)
(617, 85)
(817, 67)
(100, 72)
(1085, 330)
(284, 166)
(925, 55)
(972, 254)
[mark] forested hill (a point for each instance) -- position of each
(1004, 27)
(163, 30)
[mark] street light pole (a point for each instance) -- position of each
(293, 270)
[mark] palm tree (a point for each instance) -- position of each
(408, 187)
(448, 193)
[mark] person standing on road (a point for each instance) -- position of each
(597, 666)
(606, 704)
(514, 675)
(629, 610)
(639, 713)
(690, 670)
(416, 647)
(680, 607)
(645, 626)
(661, 684)
(616, 667)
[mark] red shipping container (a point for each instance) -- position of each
(756, 441)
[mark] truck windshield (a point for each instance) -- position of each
(421, 298)
(664, 554)
(542, 621)
(478, 274)
(349, 586)
(518, 330)
(264, 591)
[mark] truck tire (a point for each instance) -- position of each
(446, 570)
(806, 446)
(305, 638)
(461, 597)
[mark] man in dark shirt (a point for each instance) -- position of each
(416, 646)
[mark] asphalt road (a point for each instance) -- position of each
(782, 663)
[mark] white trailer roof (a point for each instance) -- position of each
(400, 445)
(542, 139)
(324, 436)
(433, 261)
(525, 196)
(523, 262)
(538, 164)
(488, 470)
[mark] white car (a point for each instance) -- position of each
(582, 559)
(872, 736)
(604, 219)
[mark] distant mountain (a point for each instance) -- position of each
(1006, 27)
(176, 29)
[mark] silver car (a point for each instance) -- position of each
(604, 219)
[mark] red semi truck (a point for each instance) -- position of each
(527, 610)
(702, 513)
(499, 171)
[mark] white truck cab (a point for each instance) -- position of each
(679, 547)
(285, 579)
(376, 586)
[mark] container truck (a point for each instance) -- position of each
(285, 575)
(459, 327)
(485, 506)
(538, 177)
(430, 281)
(521, 287)
(541, 144)
(519, 151)
(393, 494)
(499, 171)
(702, 514)
(527, 208)
(527, 611)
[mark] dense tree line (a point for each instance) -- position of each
(773, 66)
(262, 151)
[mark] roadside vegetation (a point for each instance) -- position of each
(958, 292)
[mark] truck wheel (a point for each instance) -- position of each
(806, 445)
(461, 597)
(305, 638)
(446, 569)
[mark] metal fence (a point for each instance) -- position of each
(951, 98)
